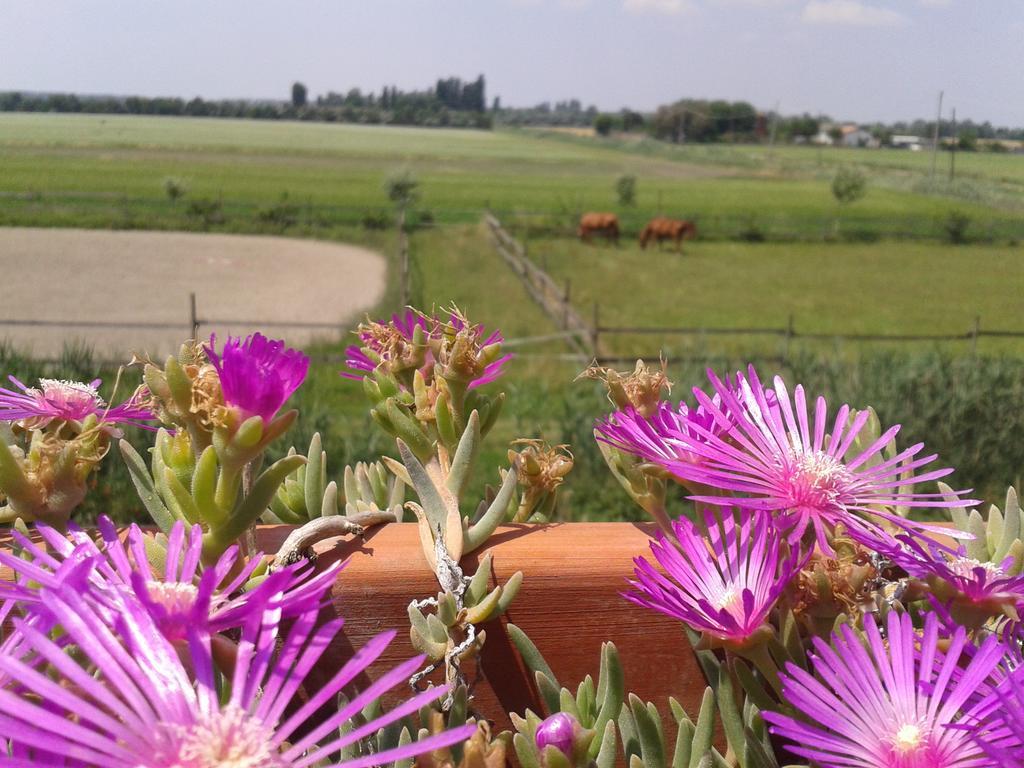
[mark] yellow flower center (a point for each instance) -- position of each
(230, 739)
(175, 596)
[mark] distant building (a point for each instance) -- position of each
(913, 143)
(849, 135)
(855, 136)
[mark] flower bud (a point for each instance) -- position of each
(540, 469)
(558, 731)
(640, 389)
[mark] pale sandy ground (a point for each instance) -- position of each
(79, 276)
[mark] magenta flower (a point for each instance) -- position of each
(954, 575)
(723, 583)
(380, 343)
(898, 703)
(257, 375)
(783, 459)
(138, 706)
(558, 731)
(55, 400)
(999, 726)
(659, 439)
(177, 599)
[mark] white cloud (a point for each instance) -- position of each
(756, 3)
(936, 3)
(850, 13)
(669, 7)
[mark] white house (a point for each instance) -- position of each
(913, 143)
(852, 135)
(855, 136)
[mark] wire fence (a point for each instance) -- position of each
(592, 337)
(559, 219)
(191, 326)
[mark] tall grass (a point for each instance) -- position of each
(968, 410)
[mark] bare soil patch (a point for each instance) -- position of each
(85, 278)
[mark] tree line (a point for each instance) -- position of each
(458, 103)
(450, 102)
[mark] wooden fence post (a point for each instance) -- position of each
(789, 337)
(403, 256)
(565, 304)
(193, 315)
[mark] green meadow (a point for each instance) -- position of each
(91, 170)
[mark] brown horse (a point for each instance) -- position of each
(660, 229)
(604, 224)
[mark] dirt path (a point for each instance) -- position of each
(83, 276)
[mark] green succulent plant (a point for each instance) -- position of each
(307, 494)
(178, 486)
(996, 537)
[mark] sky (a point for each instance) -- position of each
(862, 60)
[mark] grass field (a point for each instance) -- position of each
(843, 289)
(109, 171)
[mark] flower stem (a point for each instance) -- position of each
(761, 658)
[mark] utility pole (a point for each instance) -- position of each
(775, 123)
(935, 135)
(952, 150)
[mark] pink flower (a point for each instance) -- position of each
(953, 574)
(898, 703)
(56, 400)
(257, 375)
(660, 439)
(779, 457)
(179, 597)
(135, 704)
(724, 582)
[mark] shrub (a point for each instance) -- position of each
(174, 189)
(282, 214)
(625, 189)
(955, 226)
(375, 220)
(751, 231)
(208, 211)
(423, 219)
(402, 188)
(849, 185)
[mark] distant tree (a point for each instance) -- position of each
(174, 189)
(836, 134)
(968, 141)
(603, 124)
(882, 134)
(806, 126)
(625, 188)
(298, 95)
(496, 104)
(401, 188)
(354, 98)
(631, 121)
(849, 185)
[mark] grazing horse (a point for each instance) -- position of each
(604, 224)
(660, 229)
